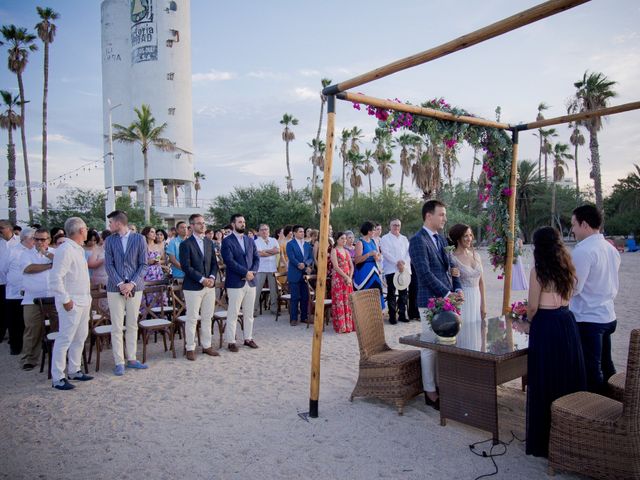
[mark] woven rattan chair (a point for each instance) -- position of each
(615, 386)
(595, 435)
(390, 375)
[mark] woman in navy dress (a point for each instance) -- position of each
(366, 273)
(555, 366)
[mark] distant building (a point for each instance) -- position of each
(146, 59)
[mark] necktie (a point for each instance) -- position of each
(437, 239)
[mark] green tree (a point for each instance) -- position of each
(528, 187)
(593, 92)
(355, 160)
(621, 207)
(547, 147)
(145, 133)
(368, 168)
(560, 155)
(21, 43)
(196, 186)
(46, 30)
(10, 120)
(288, 136)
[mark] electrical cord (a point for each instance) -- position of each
(491, 455)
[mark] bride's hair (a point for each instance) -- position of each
(554, 267)
(457, 232)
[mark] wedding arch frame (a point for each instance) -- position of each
(340, 91)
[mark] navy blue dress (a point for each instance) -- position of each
(555, 367)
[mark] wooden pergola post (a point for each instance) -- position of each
(508, 263)
(321, 282)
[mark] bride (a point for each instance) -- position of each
(469, 264)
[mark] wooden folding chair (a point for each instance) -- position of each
(154, 318)
(284, 297)
(100, 323)
(310, 281)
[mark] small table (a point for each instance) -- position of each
(468, 379)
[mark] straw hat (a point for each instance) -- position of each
(401, 280)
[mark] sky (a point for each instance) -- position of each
(253, 61)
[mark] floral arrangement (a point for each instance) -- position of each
(438, 305)
(497, 147)
(519, 311)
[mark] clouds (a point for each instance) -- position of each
(213, 76)
(306, 93)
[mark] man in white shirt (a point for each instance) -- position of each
(7, 240)
(38, 263)
(395, 250)
(268, 248)
(597, 263)
(72, 292)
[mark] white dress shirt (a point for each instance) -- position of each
(200, 242)
(597, 263)
(431, 235)
(36, 284)
(267, 264)
(69, 276)
(125, 240)
(15, 271)
(240, 238)
(5, 247)
(394, 249)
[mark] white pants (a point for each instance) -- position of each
(203, 303)
(72, 333)
(119, 306)
(260, 278)
(427, 356)
(238, 297)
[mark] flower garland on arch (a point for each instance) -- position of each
(498, 149)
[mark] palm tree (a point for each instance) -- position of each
(449, 162)
(355, 160)
(541, 108)
(344, 147)
(383, 154)
(560, 154)
(10, 120)
(426, 172)
(46, 32)
(145, 133)
(367, 167)
(547, 147)
(593, 92)
(476, 161)
(21, 43)
(384, 162)
(196, 185)
(405, 141)
(356, 135)
(577, 140)
(323, 100)
(288, 136)
(527, 189)
(317, 162)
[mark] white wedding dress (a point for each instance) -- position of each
(470, 336)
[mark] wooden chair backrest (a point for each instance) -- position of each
(177, 300)
(47, 307)
(101, 307)
(631, 399)
(154, 295)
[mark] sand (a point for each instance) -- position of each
(237, 415)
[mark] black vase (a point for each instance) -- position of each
(446, 324)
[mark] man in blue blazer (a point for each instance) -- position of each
(300, 255)
(241, 261)
(431, 264)
(198, 262)
(125, 261)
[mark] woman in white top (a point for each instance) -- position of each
(469, 264)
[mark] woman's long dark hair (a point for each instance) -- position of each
(554, 268)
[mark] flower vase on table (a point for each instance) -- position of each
(443, 314)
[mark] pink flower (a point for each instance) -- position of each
(450, 143)
(500, 277)
(507, 192)
(356, 106)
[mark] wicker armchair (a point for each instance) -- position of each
(615, 386)
(595, 435)
(387, 374)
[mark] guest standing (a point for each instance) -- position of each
(200, 267)
(341, 286)
(555, 365)
(474, 308)
(300, 262)
(597, 263)
(395, 250)
(70, 286)
(367, 275)
(431, 264)
(242, 262)
(7, 240)
(96, 261)
(126, 265)
(268, 249)
(173, 250)
(349, 246)
(155, 260)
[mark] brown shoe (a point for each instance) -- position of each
(250, 344)
(232, 347)
(191, 355)
(293, 323)
(211, 352)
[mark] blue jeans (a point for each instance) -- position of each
(596, 347)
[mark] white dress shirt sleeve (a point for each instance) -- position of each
(61, 266)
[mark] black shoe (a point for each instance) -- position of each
(392, 321)
(63, 385)
(404, 320)
(28, 366)
(435, 405)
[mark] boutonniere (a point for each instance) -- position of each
(450, 249)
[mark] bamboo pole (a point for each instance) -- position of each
(601, 112)
(416, 110)
(321, 287)
(513, 22)
(508, 263)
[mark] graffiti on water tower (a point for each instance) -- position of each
(144, 34)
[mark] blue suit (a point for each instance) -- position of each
(237, 262)
(130, 265)
(297, 286)
(195, 265)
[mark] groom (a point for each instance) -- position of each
(431, 265)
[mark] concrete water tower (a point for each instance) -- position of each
(146, 59)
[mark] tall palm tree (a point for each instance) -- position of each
(449, 162)
(577, 140)
(476, 161)
(384, 161)
(323, 100)
(196, 185)
(426, 172)
(593, 92)
(547, 147)
(345, 135)
(355, 163)
(145, 133)
(10, 120)
(317, 162)
(560, 155)
(356, 135)
(21, 43)
(46, 30)
(288, 136)
(541, 108)
(405, 142)
(367, 167)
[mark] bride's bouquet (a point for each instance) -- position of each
(519, 311)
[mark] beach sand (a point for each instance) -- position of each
(237, 415)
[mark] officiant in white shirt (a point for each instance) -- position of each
(395, 259)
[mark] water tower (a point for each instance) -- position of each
(146, 59)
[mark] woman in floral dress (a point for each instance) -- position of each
(155, 260)
(341, 286)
